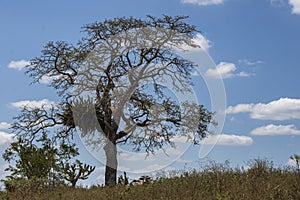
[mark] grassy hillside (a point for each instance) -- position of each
(216, 181)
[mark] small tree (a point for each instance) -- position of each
(77, 171)
(33, 161)
(103, 82)
(39, 157)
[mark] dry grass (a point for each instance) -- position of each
(216, 181)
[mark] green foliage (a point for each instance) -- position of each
(44, 160)
(31, 161)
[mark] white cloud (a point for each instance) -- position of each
(45, 80)
(281, 109)
(127, 156)
(240, 108)
(224, 70)
(228, 140)
(34, 104)
(295, 6)
(5, 138)
(249, 63)
(200, 41)
(272, 129)
(242, 74)
(4, 125)
(19, 65)
(204, 2)
(150, 168)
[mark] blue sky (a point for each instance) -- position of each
(255, 45)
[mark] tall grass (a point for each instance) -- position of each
(214, 181)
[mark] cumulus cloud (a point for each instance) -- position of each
(200, 41)
(19, 65)
(281, 109)
(224, 70)
(228, 140)
(5, 138)
(45, 103)
(4, 125)
(271, 129)
(295, 6)
(203, 2)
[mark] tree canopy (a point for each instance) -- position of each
(114, 86)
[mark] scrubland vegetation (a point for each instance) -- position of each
(214, 181)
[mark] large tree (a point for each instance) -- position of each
(115, 86)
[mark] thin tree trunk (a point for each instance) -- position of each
(111, 164)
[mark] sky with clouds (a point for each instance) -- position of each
(255, 46)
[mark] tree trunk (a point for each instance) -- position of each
(111, 164)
